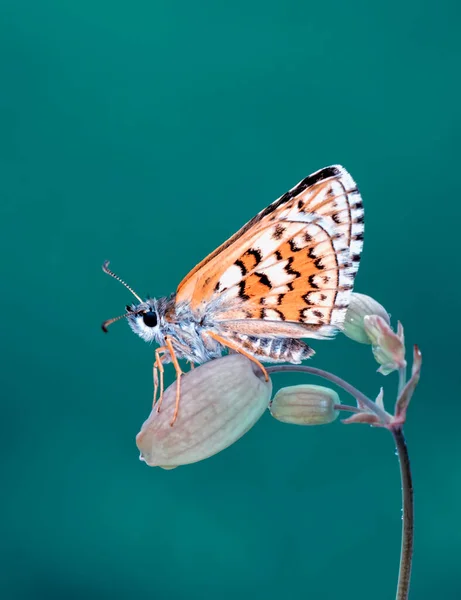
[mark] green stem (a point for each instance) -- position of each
(406, 553)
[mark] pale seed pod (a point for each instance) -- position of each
(220, 401)
(305, 405)
(361, 306)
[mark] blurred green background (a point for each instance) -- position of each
(147, 133)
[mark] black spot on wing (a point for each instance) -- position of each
(291, 271)
(238, 263)
(241, 291)
(264, 279)
(256, 254)
(312, 282)
(278, 232)
(293, 246)
(318, 263)
(336, 218)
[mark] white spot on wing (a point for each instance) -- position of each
(277, 274)
(231, 277)
(272, 315)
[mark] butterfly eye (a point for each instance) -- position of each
(150, 318)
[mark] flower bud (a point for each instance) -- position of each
(220, 401)
(388, 347)
(305, 405)
(361, 306)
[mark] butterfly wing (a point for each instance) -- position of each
(289, 272)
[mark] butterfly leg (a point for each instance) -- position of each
(158, 367)
(174, 360)
(232, 346)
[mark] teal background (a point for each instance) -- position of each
(147, 133)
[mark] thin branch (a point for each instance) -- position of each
(406, 553)
(350, 389)
(347, 408)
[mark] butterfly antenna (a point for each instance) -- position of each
(106, 324)
(105, 268)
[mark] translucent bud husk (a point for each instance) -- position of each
(220, 401)
(388, 347)
(360, 307)
(305, 405)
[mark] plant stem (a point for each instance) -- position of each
(350, 389)
(347, 408)
(406, 553)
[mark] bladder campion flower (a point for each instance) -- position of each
(305, 405)
(360, 307)
(388, 347)
(220, 401)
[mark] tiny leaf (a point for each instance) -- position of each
(403, 401)
(362, 417)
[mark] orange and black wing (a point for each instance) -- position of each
(289, 272)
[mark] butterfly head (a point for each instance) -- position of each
(143, 318)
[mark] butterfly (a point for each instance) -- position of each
(286, 275)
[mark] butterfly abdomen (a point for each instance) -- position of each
(275, 349)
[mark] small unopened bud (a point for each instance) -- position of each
(305, 405)
(220, 401)
(388, 347)
(361, 306)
